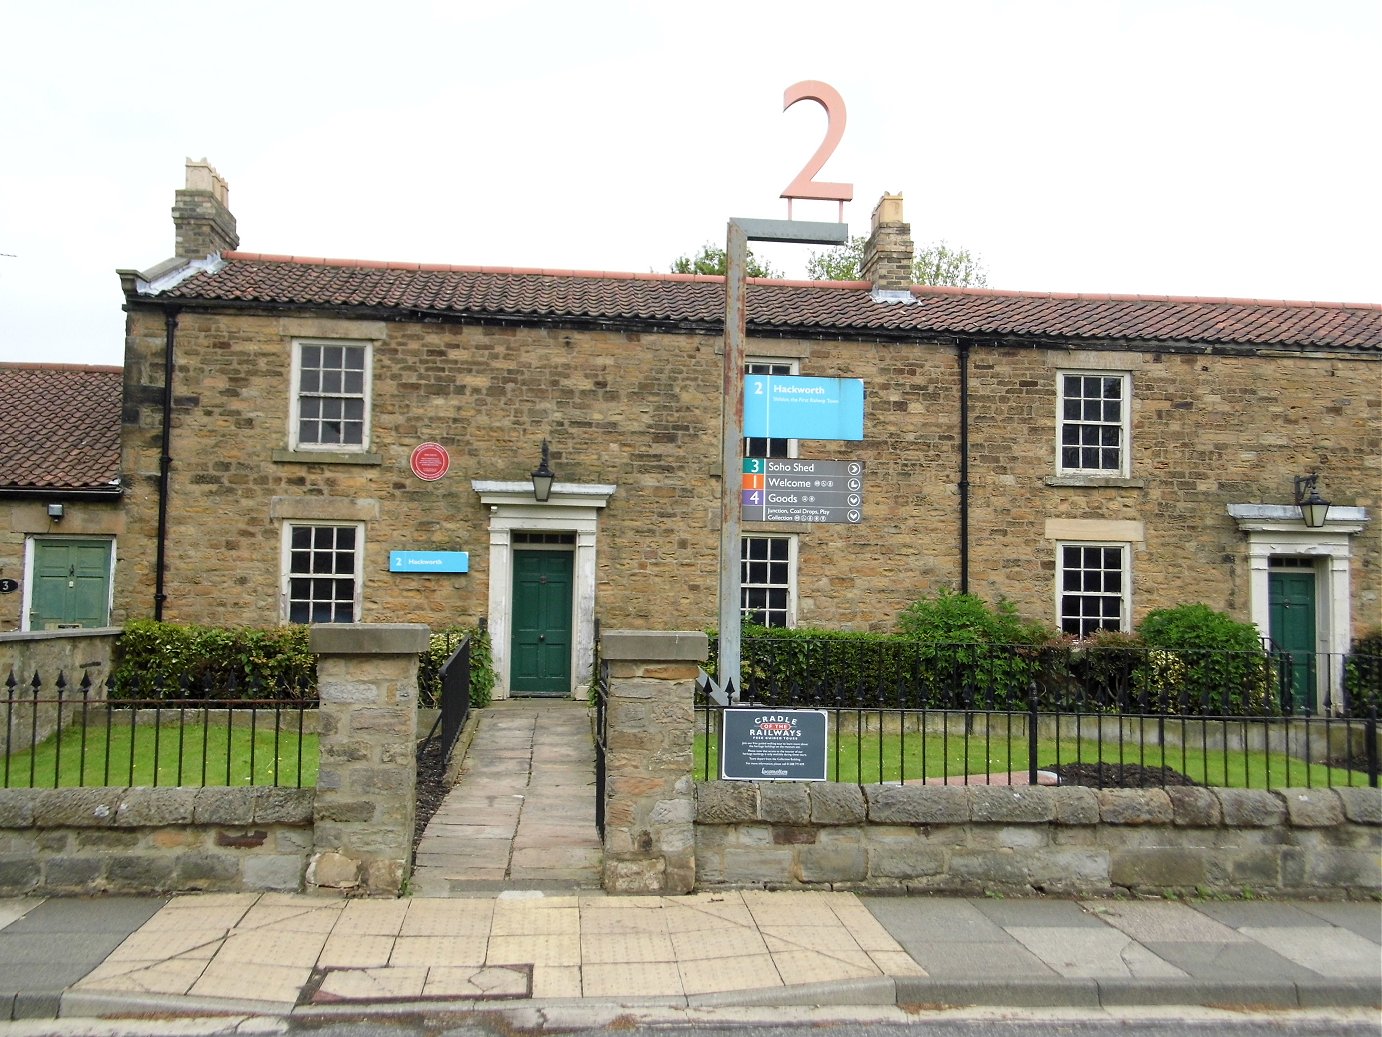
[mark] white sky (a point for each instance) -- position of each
(1216, 147)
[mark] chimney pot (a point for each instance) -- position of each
(201, 214)
(889, 251)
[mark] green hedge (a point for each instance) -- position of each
(175, 660)
(443, 643)
(178, 660)
(1363, 675)
(957, 652)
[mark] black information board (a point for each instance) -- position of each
(766, 744)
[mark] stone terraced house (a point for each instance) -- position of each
(59, 495)
(1087, 457)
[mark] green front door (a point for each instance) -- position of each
(71, 583)
(541, 650)
(1291, 600)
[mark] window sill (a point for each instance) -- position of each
(325, 457)
(1117, 481)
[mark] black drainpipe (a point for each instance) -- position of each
(962, 354)
(165, 461)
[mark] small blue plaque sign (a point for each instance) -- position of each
(792, 407)
(429, 561)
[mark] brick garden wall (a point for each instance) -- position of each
(641, 410)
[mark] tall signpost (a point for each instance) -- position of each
(739, 233)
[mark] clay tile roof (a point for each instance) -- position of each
(62, 427)
(843, 307)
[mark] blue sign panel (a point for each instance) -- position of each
(429, 561)
(792, 407)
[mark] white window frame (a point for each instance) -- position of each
(1125, 590)
(1124, 425)
(793, 367)
(286, 564)
(295, 409)
(791, 586)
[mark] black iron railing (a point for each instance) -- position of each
(57, 735)
(962, 713)
(455, 699)
(599, 698)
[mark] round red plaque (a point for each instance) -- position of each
(429, 461)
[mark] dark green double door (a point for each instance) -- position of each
(1291, 601)
(541, 647)
(71, 579)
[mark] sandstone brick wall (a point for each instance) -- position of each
(1022, 840)
(74, 654)
(144, 840)
(641, 410)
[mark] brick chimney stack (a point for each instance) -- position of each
(889, 250)
(203, 222)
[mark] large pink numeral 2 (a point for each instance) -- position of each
(804, 185)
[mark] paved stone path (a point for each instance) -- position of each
(522, 814)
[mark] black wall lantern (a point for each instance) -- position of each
(1314, 509)
(543, 477)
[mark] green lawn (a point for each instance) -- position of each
(871, 759)
(85, 757)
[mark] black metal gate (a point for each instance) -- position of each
(601, 729)
(455, 699)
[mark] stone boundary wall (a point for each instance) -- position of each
(351, 835)
(1023, 840)
(49, 652)
(153, 840)
(650, 805)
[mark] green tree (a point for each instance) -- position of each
(939, 264)
(712, 260)
(841, 263)
(936, 264)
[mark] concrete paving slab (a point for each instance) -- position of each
(355, 951)
(175, 976)
(627, 979)
(251, 981)
(370, 984)
(1238, 913)
(935, 920)
(733, 972)
(1162, 921)
(535, 949)
(700, 944)
(86, 915)
(1240, 960)
(1327, 950)
(436, 950)
(1363, 918)
(1064, 914)
(807, 966)
(489, 982)
(604, 948)
(14, 908)
(1092, 953)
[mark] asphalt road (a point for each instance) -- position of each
(740, 1023)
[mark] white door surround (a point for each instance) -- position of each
(1277, 530)
(572, 508)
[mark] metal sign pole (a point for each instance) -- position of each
(731, 443)
(737, 236)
